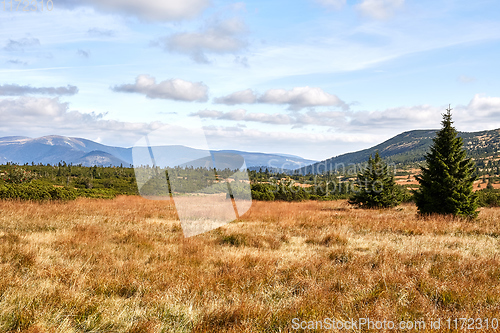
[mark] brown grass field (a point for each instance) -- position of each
(123, 265)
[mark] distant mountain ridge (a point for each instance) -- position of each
(53, 149)
(410, 147)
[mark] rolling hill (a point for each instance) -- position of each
(409, 148)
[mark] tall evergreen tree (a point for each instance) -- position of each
(377, 188)
(446, 181)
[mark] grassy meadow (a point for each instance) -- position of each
(123, 265)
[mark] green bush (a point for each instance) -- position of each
(404, 194)
(45, 192)
(263, 192)
(488, 198)
(36, 192)
(18, 175)
(283, 192)
(288, 192)
(96, 193)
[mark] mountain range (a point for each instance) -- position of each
(55, 149)
(405, 149)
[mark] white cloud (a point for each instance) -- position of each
(379, 9)
(12, 109)
(466, 79)
(153, 10)
(484, 105)
(17, 90)
(242, 115)
(328, 118)
(301, 97)
(296, 98)
(218, 37)
(240, 97)
(174, 89)
(332, 4)
(420, 115)
(208, 114)
(315, 145)
(481, 113)
(283, 138)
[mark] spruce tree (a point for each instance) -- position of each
(447, 179)
(376, 186)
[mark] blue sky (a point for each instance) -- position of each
(314, 78)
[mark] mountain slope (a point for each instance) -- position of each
(409, 148)
(283, 161)
(97, 157)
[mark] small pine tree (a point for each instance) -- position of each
(377, 188)
(446, 181)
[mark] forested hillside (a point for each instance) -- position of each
(409, 148)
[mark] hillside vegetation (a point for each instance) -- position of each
(409, 148)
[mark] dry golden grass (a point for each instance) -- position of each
(123, 265)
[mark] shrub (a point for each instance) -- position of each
(488, 198)
(263, 192)
(101, 193)
(36, 192)
(283, 191)
(18, 176)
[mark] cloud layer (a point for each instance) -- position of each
(485, 106)
(152, 10)
(24, 108)
(332, 4)
(17, 90)
(296, 98)
(174, 89)
(379, 9)
(481, 112)
(242, 115)
(240, 97)
(301, 97)
(218, 37)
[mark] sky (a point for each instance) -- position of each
(313, 78)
